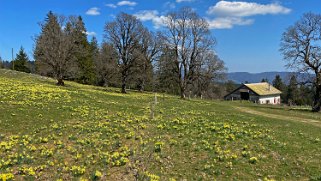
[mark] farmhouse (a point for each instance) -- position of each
(261, 93)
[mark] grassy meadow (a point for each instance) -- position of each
(80, 132)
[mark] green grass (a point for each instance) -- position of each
(297, 111)
(86, 132)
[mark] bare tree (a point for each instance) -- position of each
(125, 33)
(206, 74)
(188, 35)
(166, 72)
(301, 48)
(106, 66)
(149, 50)
(54, 48)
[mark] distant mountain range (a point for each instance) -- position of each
(243, 77)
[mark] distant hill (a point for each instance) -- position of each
(242, 77)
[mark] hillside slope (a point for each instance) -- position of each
(95, 133)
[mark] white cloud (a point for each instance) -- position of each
(228, 22)
(243, 9)
(111, 5)
(146, 15)
(93, 11)
(122, 3)
(126, 3)
(91, 33)
(233, 13)
(169, 5)
(151, 15)
(179, 1)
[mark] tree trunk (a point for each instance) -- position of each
(60, 82)
(123, 86)
(182, 91)
(317, 98)
(181, 83)
(142, 86)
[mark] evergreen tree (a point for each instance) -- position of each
(21, 61)
(83, 54)
(94, 56)
(1, 63)
(305, 95)
(292, 90)
(264, 80)
(278, 83)
(54, 47)
(94, 48)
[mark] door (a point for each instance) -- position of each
(245, 96)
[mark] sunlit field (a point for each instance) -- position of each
(93, 133)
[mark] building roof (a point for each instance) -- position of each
(263, 88)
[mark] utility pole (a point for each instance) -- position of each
(12, 59)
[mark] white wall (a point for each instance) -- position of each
(270, 100)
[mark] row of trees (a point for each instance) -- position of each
(179, 60)
(20, 63)
(63, 51)
(294, 92)
(301, 48)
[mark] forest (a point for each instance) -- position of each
(180, 59)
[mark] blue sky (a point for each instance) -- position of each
(248, 32)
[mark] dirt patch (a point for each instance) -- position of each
(274, 116)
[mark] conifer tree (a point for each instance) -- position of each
(21, 61)
(292, 90)
(264, 80)
(83, 55)
(54, 49)
(1, 63)
(94, 48)
(278, 83)
(94, 56)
